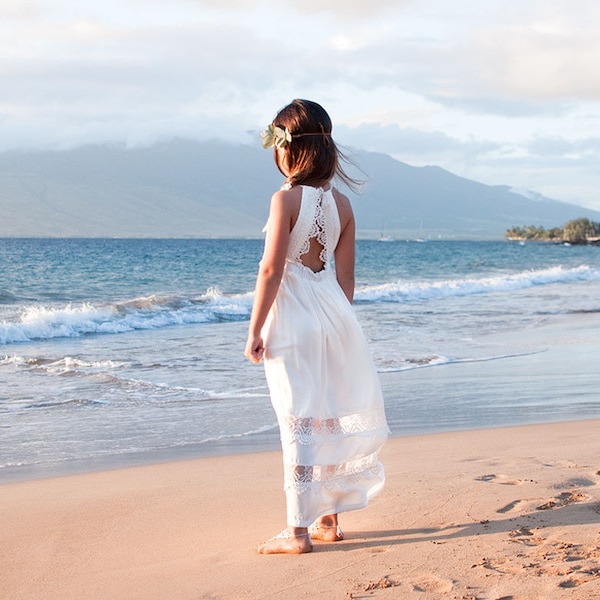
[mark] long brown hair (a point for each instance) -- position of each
(312, 156)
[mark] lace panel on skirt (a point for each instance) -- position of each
(310, 431)
(302, 478)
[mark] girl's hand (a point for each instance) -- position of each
(255, 348)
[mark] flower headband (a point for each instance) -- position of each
(275, 136)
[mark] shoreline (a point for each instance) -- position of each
(489, 513)
(73, 468)
(544, 372)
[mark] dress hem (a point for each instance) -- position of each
(342, 509)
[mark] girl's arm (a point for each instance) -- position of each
(271, 269)
(344, 252)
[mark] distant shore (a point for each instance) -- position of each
(588, 242)
(579, 232)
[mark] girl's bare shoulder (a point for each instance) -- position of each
(289, 192)
(285, 203)
(287, 195)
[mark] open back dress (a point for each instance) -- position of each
(323, 384)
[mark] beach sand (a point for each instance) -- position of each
(498, 514)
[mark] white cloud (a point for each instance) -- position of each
(410, 145)
(540, 62)
(503, 90)
(19, 9)
(348, 8)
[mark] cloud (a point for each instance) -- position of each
(516, 106)
(341, 8)
(574, 150)
(19, 9)
(348, 8)
(555, 166)
(546, 52)
(88, 67)
(490, 90)
(204, 55)
(409, 142)
(229, 5)
(514, 60)
(98, 75)
(540, 62)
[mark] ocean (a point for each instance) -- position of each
(116, 352)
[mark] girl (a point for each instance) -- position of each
(322, 381)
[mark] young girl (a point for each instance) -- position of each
(322, 381)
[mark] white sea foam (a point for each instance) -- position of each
(418, 291)
(153, 312)
(237, 435)
(439, 361)
(41, 322)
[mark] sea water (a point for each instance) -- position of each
(116, 352)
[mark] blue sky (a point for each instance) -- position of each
(503, 92)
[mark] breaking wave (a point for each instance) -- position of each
(153, 312)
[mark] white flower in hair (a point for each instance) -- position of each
(275, 136)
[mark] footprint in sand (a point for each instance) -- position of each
(577, 579)
(433, 585)
(381, 584)
(502, 479)
(564, 563)
(569, 583)
(511, 507)
(564, 499)
(570, 563)
(372, 586)
(498, 564)
(575, 482)
(524, 535)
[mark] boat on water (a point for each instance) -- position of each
(420, 237)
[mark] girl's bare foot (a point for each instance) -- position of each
(287, 542)
(326, 529)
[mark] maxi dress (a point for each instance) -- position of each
(322, 381)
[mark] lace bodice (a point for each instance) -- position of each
(319, 219)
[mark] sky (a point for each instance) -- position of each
(504, 92)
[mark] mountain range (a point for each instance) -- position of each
(184, 188)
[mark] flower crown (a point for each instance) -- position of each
(280, 138)
(275, 136)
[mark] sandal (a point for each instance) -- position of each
(286, 534)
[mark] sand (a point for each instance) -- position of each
(499, 514)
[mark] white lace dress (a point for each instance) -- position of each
(322, 380)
